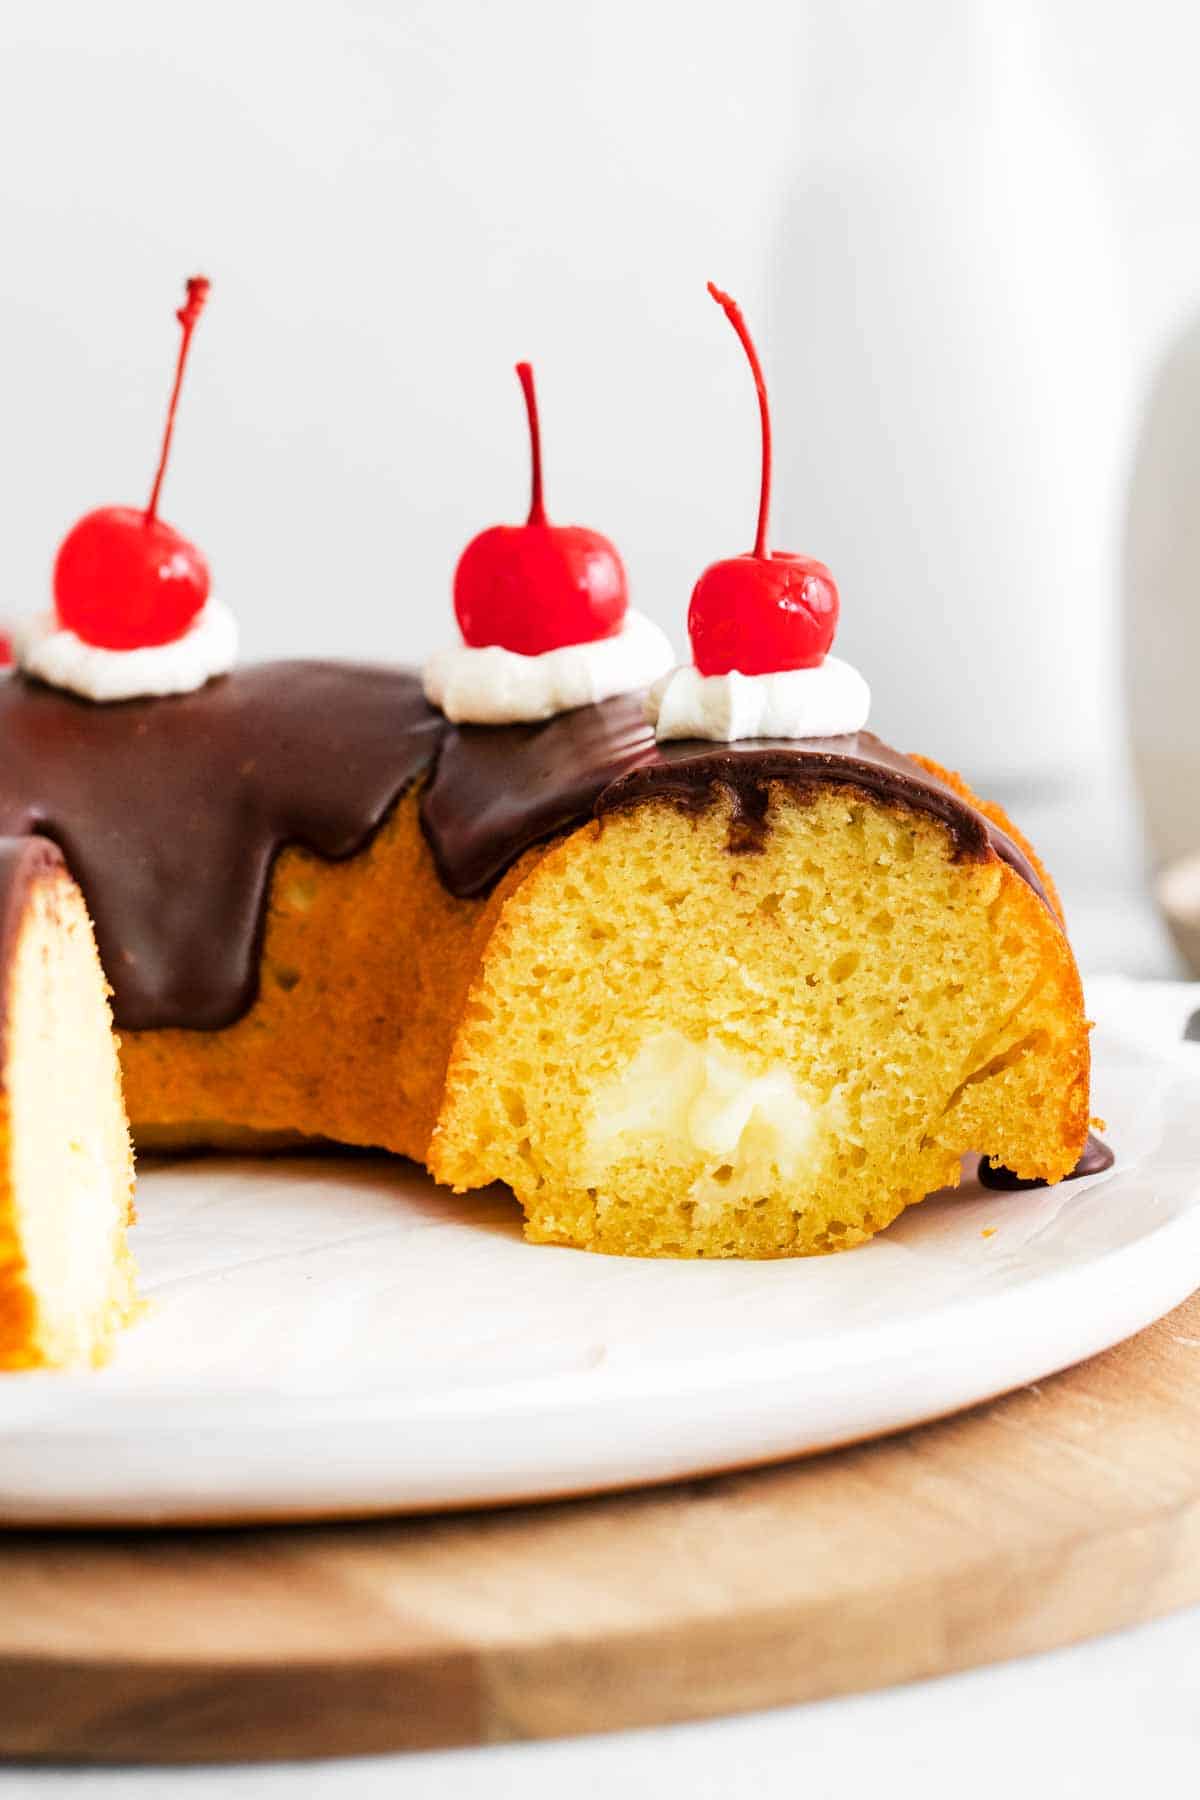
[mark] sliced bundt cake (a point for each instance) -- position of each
(756, 1009)
(66, 1168)
(683, 998)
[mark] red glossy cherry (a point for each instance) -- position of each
(537, 586)
(123, 579)
(769, 610)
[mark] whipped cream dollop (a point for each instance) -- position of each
(827, 701)
(494, 686)
(63, 659)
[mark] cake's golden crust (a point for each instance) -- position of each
(998, 816)
(365, 967)
(18, 1307)
(472, 1034)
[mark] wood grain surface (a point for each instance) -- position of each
(1067, 1509)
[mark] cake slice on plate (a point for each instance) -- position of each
(66, 1167)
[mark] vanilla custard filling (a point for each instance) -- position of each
(700, 1104)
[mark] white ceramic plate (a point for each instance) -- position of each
(335, 1335)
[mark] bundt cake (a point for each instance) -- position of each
(686, 956)
(66, 1167)
(684, 998)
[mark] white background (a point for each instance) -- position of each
(964, 231)
(966, 234)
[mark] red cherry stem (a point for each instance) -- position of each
(537, 508)
(733, 313)
(189, 312)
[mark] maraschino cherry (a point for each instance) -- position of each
(123, 580)
(770, 610)
(537, 586)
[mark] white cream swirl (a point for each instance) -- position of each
(827, 701)
(494, 686)
(61, 658)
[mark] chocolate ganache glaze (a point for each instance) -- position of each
(171, 811)
(499, 789)
(1095, 1159)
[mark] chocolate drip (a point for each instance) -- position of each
(170, 812)
(497, 790)
(1095, 1159)
(23, 861)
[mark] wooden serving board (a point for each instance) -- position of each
(1067, 1509)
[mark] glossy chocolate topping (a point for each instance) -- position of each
(23, 861)
(495, 792)
(170, 812)
(1095, 1159)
